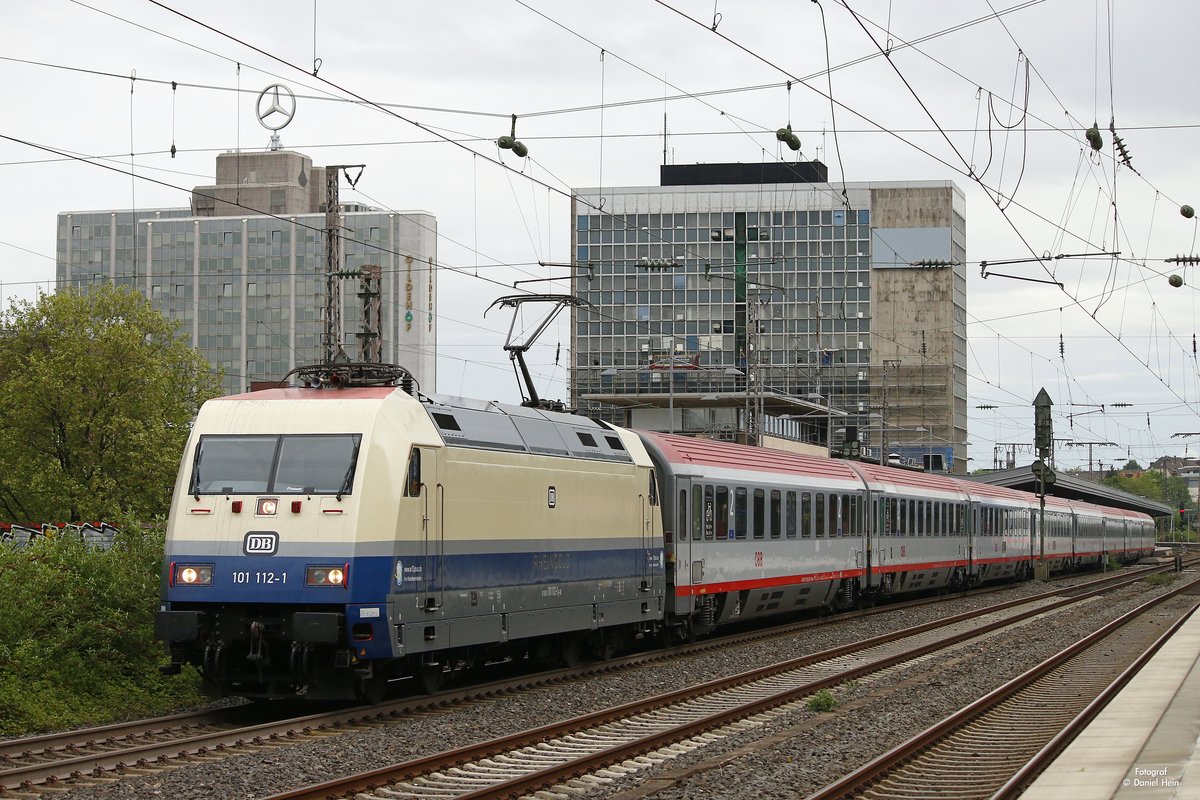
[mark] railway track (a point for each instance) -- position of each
(28, 766)
(994, 747)
(587, 751)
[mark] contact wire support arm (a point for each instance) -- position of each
(516, 349)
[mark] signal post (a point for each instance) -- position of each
(1043, 440)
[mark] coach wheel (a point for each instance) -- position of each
(847, 596)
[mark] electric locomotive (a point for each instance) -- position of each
(326, 542)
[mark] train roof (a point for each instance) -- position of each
(304, 393)
(490, 425)
(876, 475)
(686, 450)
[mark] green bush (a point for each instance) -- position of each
(822, 701)
(77, 634)
(1160, 578)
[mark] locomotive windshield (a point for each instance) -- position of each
(292, 464)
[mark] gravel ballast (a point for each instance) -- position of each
(808, 749)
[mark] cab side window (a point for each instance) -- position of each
(412, 478)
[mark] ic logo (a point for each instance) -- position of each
(260, 543)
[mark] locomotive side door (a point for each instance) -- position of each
(649, 539)
(430, 537)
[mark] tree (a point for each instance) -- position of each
(1169, 489)
(97, 392)
(1132, 466)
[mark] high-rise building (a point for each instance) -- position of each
(752, 301)
(244, 269)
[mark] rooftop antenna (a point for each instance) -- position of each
(516, 348)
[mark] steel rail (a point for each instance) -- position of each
(536, 779)
(870, 773)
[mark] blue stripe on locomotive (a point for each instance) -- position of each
(261, 579)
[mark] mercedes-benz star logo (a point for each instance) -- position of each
(276, 114)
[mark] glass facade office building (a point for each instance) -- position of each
(770, 284)
(250, 290)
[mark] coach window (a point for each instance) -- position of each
(929, 529)
(806, 515)
(653, 489)
(791, 515)
(820, 516)
(776, 514)
(846, 528)
(722, 512)
(760, 513)
(701, 525)
(937, 520)
(412, 481)
(683, 514)
(740, 512)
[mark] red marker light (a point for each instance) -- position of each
(237, 506)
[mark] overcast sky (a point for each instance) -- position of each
(591, 83)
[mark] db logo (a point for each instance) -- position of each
(260, 543)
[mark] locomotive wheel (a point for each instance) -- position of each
(371, 690)
(604, 645)
(569, 654)
(430, 678)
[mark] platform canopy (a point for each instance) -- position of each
(1072, 487)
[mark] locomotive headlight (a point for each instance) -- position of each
(332, 575)
(194, 574)
(267, 506)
